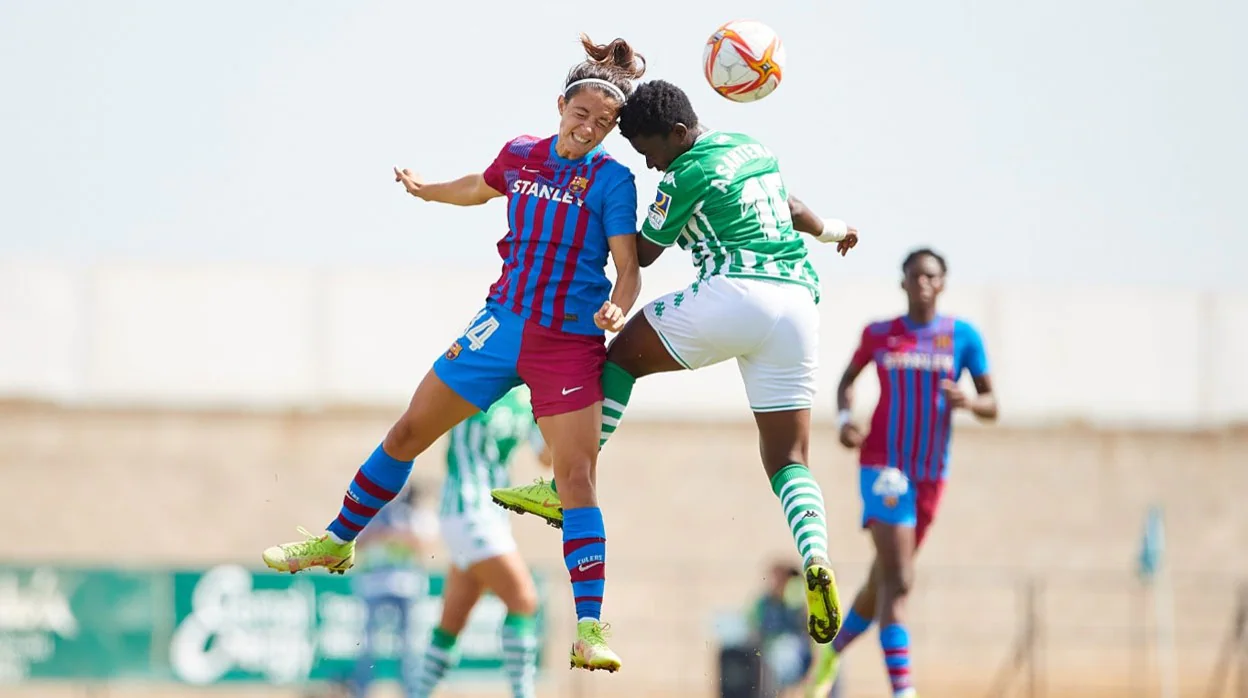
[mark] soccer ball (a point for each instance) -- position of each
(743, 60)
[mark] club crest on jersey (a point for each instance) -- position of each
(657, 214)
(943, 342)
(453, 352)
(578, 185)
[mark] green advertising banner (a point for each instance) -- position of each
(226, 623)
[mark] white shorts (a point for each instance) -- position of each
(770, 327)
(472, 538)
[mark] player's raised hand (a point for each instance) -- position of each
(413, 183)
(849, 241)
(610, 317)
(953, 394)
(851, 436)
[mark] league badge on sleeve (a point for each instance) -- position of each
(657, 214)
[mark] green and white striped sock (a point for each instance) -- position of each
(438, 657)
(802, 502)
(520, 654)
(617, 388)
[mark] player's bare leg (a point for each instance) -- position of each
(784, 445)
(432, 411)
(637, 351)
(572, 438)
(894, 548)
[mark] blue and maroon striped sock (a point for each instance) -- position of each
(585, 554)
(375, 484)
(895, 641)
(853, 626)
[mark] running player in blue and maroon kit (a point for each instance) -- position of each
(569, 206)
(905, 455)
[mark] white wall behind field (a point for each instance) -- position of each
(225, 336)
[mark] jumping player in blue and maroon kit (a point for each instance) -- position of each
(905, 455)
(569, 207)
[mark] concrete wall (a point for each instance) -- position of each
(227, 336)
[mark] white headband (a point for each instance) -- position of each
(601, 83)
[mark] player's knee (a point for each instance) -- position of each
(403, 440)
(578, 480)
(896, 583)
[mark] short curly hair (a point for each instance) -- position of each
(654, 109)
(924, 252)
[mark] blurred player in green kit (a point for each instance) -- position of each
(722, 198)
(478, 537)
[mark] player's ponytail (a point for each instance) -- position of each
(610, 68)
(617, 55)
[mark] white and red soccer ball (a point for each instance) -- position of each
(744, 60)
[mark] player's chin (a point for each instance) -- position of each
(579, 146)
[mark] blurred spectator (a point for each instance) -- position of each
(779, 633)
(389, 577)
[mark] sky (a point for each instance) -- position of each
(1067, 142)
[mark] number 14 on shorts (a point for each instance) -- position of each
(480, 329)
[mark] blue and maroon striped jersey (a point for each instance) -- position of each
(560, 214)
(911, 426)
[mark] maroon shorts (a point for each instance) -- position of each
(563, 370)
(926, 502)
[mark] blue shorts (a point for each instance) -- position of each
(889, 497)
(501, 350)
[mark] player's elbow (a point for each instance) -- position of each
(988, 410)
(479, 192)
(845, 388)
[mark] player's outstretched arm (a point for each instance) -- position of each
(804, 219)
(822, 229)
(470, 190)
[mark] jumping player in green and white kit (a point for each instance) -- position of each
(723, 199)
(478, 537)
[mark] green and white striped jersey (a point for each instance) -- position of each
(724, 201)
(480, 452)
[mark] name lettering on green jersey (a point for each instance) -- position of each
(725, 201)
(732, 161)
